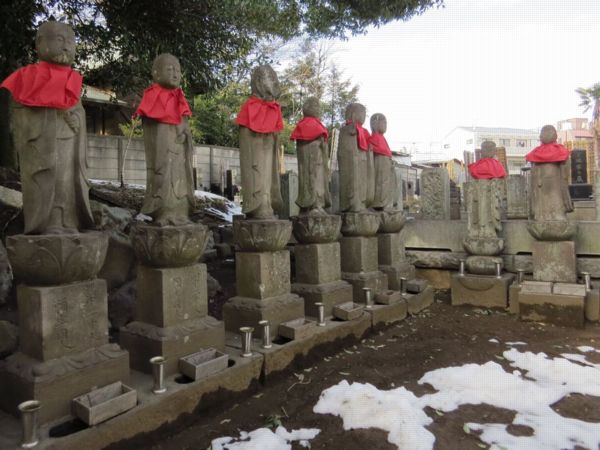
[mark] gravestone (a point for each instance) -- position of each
(435, 194)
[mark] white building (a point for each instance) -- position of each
(517, 142)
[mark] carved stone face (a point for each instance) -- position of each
(378, 123)
(264, 83)
(548, 134)
(356, 113)
(166, 71)
(312, 107)
(488, 149)
(55, 43)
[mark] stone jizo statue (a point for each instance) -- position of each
(260, 122)
(313, 174)
(386, 186)
(168, 145)
(355, 162)
(49, 130)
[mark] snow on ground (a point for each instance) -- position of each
(536, 383)
(265, 439)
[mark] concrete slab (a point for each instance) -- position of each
(563, 310)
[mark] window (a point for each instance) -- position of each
(469, 141)
(505, 142)
(446, 145)
(521, 143)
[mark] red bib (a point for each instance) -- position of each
(548, 153)
(163, 105)
(309, 129)
(379, 145)
(362, 135)
(487, 169)
(45, 85)
(260, 116)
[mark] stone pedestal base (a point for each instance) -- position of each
(592, 305)
(554, 261)
(394, 273)
(418, 302)
(56, 382)
(480, 290)
(483, 265)
(262, 275)
(377, 281)
(513, 298)
(359, 254)
(330, 294)
(386, 314)
(247, 312)
(556, 303)
(145, 341)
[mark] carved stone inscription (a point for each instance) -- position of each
(435, 194)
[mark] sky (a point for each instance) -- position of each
(496, 63)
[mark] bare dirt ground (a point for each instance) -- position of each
(397, 356)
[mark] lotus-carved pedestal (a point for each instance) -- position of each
(487, 246)
(261, 235)
(53, 259)
(169, 246)
(552, 230)
(316, 229)
(392, 221)
(365, 223)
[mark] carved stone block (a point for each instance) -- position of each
(330, 294)
(318, 263)
(435, 194)
(386, 314)
(418, 302)
(145, 341)
(247, 312)
(376, 280)
(390, 249)
(359, 254)
(167, 297)
(554, 261)
(480, 290)
(62, 320)
(262, 275)
(396, 272)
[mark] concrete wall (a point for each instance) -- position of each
(211, 162)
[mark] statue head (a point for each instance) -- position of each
(548, 134)
(378, 123)
(488, 149)
(166, 71)
(312, 107)
(264, 83)
(55, 43)
(356, 112)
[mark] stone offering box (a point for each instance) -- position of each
(296, 329)
(105, 403)
(388, 297)
(203, 364)
(348, 311)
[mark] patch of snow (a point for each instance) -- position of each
(587, 348)
(513, 344)
(265, 439)
(494, 340)
(537, 382)
(231, 208)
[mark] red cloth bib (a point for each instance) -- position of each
(548, 153)
(362, 135)
(309, 129)
(45, 85)
(163, 105)
(260, 116)
(379, 145)
(487, 169)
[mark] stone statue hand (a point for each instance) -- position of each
(72, 120)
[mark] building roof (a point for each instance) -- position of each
(430, 162)
(500, 130)
(97, 95)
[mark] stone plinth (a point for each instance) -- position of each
(318, 277)
(592, 305)
(517, 197)
(556, 303)
(262, 274)
(513, 298)
(480, 290)
(144, 341)
(386, 314)
(554, 261)
(359, 254)
(392, 259)
(247, 312)
(64, 350)
(377, 281)
(418, 302)
(52, 259)
(170, 296)
(483, 265)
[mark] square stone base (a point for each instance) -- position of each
(513, 298)
(359, 254)
(317, 263)
(551, 307)
(418, 302)
(390, 249)
(330, 294)
(485, 291)
(397, 271)
(377, 281)
(60, 380)
(247, 312)
(262, 274)
(145, 341)
(554, 261)
(386, 314)
(592, 305)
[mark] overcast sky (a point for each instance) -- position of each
(502, 63)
